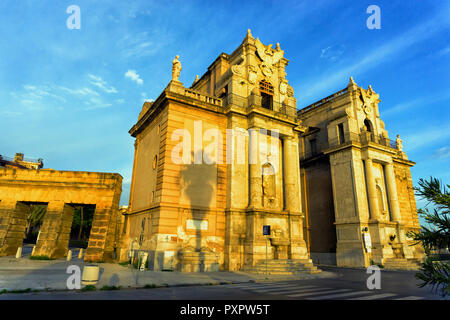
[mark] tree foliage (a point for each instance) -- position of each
(434, 235)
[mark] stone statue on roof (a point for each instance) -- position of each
(176, 68)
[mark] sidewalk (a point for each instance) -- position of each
(23, 273)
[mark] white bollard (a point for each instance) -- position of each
(19, 253)
(80, 254)
(90, 275)
(69, 255)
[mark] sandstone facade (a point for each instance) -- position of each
(60, 191)
(328, 173)
(216, 162)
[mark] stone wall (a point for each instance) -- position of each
(61, 191)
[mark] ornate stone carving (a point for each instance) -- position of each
(369, 98)
(252, 74)
(283, 86)
(268, 56)
(290, 91)
(239, 69)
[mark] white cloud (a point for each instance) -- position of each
(444, 51)
(96, 103)
(442, 153)
(144, 44)
(102, 84)
(423, 101)
(332, 53)
(144, 96)
(132, 75)
(80, 92)
(426, 136)
(380, 53)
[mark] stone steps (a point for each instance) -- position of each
(283, 267)
(402, 264)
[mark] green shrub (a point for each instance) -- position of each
(89, 287)
(43, 257)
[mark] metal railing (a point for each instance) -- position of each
(363, 138)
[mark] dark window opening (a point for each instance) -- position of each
(266, 101)
(367, 126)
(341, 133)
(266, 90)
(313, 146)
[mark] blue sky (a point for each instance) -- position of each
(70, 96)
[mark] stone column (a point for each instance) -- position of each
(53, 231)
(13, 221)
(392, 192)
(291, 165)
(291, 174)
(255, 174)
(371, 190)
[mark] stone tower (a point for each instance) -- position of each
(348, 149)
(216, 162)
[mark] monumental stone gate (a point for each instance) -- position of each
(217, 161)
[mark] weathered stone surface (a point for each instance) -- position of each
(61, 190)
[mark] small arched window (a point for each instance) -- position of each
(367, 126)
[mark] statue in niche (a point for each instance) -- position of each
(176, 68)
(268, 184)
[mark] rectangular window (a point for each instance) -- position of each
(313, 146)
(341, 133)
(266, 100)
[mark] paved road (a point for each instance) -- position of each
(350, 284)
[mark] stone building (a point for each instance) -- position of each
(356, 182)
(23, 185)
(217, 161)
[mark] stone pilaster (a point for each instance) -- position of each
(291, 174)
(370, 183)
(291, 164)
(392, 193)
(255, 175)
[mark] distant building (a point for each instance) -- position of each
(20, 162)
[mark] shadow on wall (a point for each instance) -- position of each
(199, 182)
